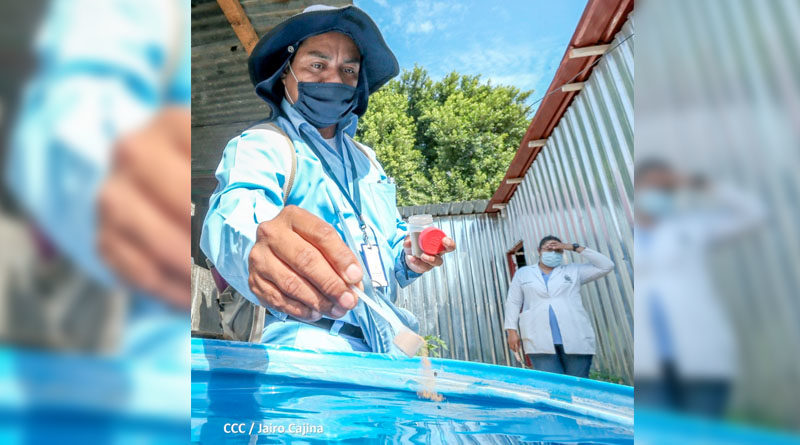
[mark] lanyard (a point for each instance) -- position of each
(355, 204)
(375, 338)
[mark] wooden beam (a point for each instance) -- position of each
(575, 86)
(241, 24)
(514, 180)
(537, 143)
(588, 51)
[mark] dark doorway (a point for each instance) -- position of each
(516, 258)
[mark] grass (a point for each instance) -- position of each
(605, 377)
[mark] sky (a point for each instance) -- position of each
(510, 42)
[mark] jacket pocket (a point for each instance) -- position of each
(526, 325)
(585, 323)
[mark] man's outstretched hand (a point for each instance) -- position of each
(300, 266)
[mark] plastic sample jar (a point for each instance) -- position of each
(416, 224)
(430, 240)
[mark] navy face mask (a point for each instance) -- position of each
(323, 104)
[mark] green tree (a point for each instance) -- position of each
(390, 132)
(446, 140)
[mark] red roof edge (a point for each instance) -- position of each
(600, 22)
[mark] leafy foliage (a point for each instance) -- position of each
(446, 140)
(433, 346)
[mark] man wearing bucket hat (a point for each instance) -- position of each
(301, 210)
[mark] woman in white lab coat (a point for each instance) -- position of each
(544, 312)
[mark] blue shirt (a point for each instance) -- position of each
(655, 306)
(554, 330)
(251, 175)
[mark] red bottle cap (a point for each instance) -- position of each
(430, 240)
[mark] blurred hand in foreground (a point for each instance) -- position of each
(144, 208)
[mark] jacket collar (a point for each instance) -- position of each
(556, 270)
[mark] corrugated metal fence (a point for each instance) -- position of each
(462, 301)
(580, 188)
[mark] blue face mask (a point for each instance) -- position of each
(323, 104)
(655, 203)
(552, 259)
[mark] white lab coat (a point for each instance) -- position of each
(562, 292)
(673, 266)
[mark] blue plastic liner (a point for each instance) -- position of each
(658, 427)
(253, 393)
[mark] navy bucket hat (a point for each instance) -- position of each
(273, 52)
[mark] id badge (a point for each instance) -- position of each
(372, 260)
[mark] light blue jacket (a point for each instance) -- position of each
(251, 176)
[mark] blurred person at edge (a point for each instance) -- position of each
(99, 158)
(295, 252)
(544, 300)
(685, 355)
